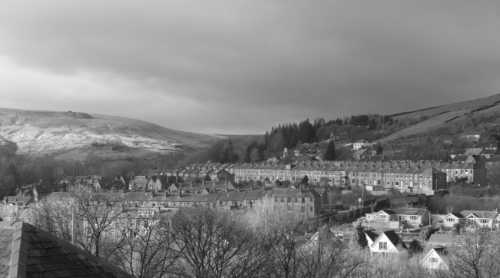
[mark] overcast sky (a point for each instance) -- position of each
(238, 66)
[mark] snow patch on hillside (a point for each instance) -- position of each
(36, 140)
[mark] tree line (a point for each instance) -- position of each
(18, 170)
(291, 135)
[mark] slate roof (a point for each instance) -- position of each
(480, 213)
(371, 234)
(5, 242)
(426, 167)
(410, 211)
(456, 214)
(442, 239)
(26, 251)
(394, 238)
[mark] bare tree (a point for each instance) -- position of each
(330, 260)
(285, 256)
(147, 251)
(215, 246)
(97, 214)
(476, 256)
(54, 214)
(325, 257)
(80, 216)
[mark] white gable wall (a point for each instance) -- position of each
(433, 261)
(383, 245)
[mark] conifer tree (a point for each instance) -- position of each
(330, 153)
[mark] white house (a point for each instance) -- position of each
(358, 145)
(483, 219)
(381, 220)
(379, 216)
(413, 217)
(447, 221)
(385, 243)
(435, 259)
(154, 184)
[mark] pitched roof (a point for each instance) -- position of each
(442, 239)
(441, 252)
(456, 214)
(26, 251)
(371, 234)
(480, 213)
(394, 238)
(5, 246)
(410, 211)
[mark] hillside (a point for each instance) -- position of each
(429, 133)
(483, 113)
(73, 134)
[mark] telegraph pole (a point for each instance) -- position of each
(72, 224)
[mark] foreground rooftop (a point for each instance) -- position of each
(26, 251)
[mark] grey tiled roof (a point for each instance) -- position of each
(480, 213)
(35, 253)
(5, 246)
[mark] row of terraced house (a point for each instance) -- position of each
(418, 177)
(261, 209)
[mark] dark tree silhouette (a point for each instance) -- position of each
(330, 153)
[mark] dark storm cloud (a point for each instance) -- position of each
(244, 65)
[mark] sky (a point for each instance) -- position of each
(242, 66)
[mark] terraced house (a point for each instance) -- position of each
(471, 171)
(259, 207)
(419, 177)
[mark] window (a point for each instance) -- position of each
(382, 245)
(413, 217)
(434, 260)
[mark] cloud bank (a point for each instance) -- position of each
(234, 66)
